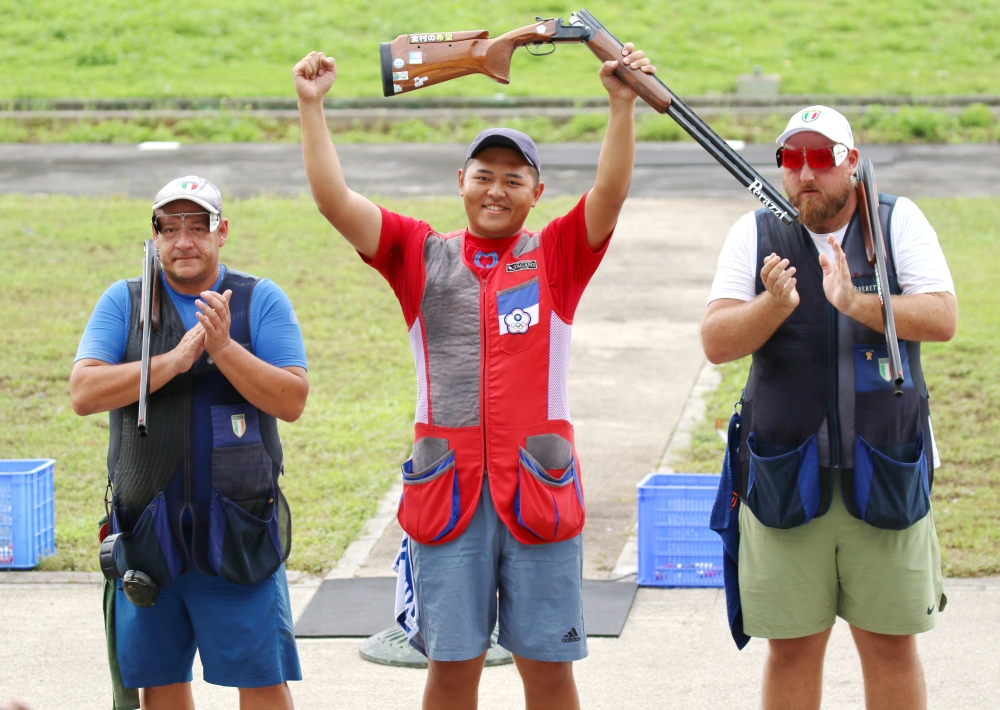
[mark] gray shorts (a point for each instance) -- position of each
(540, 593)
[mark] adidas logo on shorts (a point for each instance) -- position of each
(571, 636)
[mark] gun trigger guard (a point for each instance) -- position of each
(536, 53)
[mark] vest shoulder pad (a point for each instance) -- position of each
(887, 199)
(241, 278)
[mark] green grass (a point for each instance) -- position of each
(965, 393)
(908, 125)
(60, 254)
(120, 48)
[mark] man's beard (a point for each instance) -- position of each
(816, 211)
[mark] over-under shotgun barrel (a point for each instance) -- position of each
(655, 93)
(148, 320)
(871, 228)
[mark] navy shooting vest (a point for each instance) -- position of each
(210, 463)
(819, 401)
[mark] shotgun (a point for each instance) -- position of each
(871, 228)
(149, 321)
(413, 61)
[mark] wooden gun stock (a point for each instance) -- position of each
(413, 61)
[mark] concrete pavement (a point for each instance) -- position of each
(662, 169)
(675, 652)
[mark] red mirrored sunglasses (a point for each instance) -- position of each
(818, 158)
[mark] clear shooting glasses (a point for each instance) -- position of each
(171, 225)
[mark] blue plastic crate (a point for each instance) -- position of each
(27, 519)
(676, 546)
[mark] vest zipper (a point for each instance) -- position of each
(484, 368)
(188, 470)
(833, 414)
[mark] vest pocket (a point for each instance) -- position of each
(431, 504)
(548, 501)
(243, 474)
(244, 539)
(891, 484)
(783, 490)
(149, 546)
(244, 548)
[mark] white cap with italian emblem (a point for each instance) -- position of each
(191, 187)
(819, 119)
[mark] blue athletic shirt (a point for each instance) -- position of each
(274, 329)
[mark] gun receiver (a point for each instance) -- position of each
(149, 321)
(413, 61)
(871, 228)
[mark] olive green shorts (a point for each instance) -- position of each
(795, 582)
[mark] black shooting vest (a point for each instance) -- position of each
(210, 463)
(819, 402)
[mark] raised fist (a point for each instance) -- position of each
(314, 76)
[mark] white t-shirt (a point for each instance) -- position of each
(920, 263)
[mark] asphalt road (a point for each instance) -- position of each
(668, 170)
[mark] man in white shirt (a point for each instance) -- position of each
(833, 471)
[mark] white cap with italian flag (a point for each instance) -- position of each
(190, 187)
(819, 119)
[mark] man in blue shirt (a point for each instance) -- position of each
(197, 501)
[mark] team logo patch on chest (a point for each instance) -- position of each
(515, 266)
(517, 308)
(239, 425)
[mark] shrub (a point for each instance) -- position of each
(921, 123)
(976, 116)
(586, 125)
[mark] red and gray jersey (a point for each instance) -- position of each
(491, 351)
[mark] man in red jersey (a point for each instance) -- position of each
(492, 501)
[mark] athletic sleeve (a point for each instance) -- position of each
(274, 327)
(920, 263)
(399, 259)
(569, 260)
(106, 333)
(735, 275)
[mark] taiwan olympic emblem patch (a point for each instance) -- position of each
(239, 425)
(517, 308)
(517, 321)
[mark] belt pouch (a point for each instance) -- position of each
(783, 489)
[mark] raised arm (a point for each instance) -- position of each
(351, 214)
(614, 167)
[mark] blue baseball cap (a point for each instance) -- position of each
(507, 138)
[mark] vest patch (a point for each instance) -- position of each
(239, 425)
(525, 265)
(518, 308)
